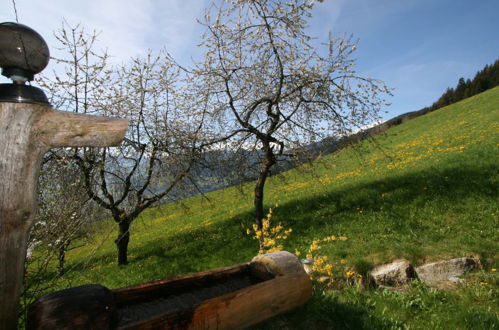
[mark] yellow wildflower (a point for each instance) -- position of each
(269, 236)
(323, 279)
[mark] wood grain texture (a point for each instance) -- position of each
(175, 284)
(95, 309)
(247, 307)
(236, 310)
(65, 129)
(284, 285)
(19, 163)
(234, 297)
(27, 131)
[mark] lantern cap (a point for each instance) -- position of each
(23, 52)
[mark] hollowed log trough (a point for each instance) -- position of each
(234, 297)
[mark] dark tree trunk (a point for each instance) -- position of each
(259, 212)
(122, 242)
(62, 260)
(264, 172)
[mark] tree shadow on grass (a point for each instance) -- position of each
(450, 185)
(226, 242)
(328, 312)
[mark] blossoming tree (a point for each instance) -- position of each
(272, 88)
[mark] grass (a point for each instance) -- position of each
(426, 190)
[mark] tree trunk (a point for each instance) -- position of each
(26, 132)
(264, 172)
(258, 202)
(20, 159)
(62, 260)
(122, 242)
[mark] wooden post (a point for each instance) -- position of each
(27, 131)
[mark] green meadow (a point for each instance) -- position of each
(425, 190)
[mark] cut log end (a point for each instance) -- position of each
(88, 306)
(278, 263)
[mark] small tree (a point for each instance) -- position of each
(162, 142)
(271, 90)
(64, 210)
(158, 153)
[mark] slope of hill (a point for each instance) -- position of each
(424, 190)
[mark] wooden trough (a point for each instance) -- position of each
(234, 297)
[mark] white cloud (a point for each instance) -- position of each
(127, 27)
(122, 23)
(176, 24)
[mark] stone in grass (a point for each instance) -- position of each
(445, 270)
(397, 273)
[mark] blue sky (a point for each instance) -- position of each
(418, 47)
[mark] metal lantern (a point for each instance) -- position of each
(23, 53)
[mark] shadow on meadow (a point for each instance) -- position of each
(386, 201)
(450, 186)
(328, 312)
(384, 205)
(404, 212)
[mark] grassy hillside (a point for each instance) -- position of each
(425, 190)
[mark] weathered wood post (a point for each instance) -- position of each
(29, 127)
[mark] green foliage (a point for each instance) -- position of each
(425, 190)
(484, 79)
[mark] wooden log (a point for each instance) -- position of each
(66, 129)
(284, 286)
(247, 307)
(95, 309)
(232, 297)
(27, 131)
(176, 285)
(236, 310)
